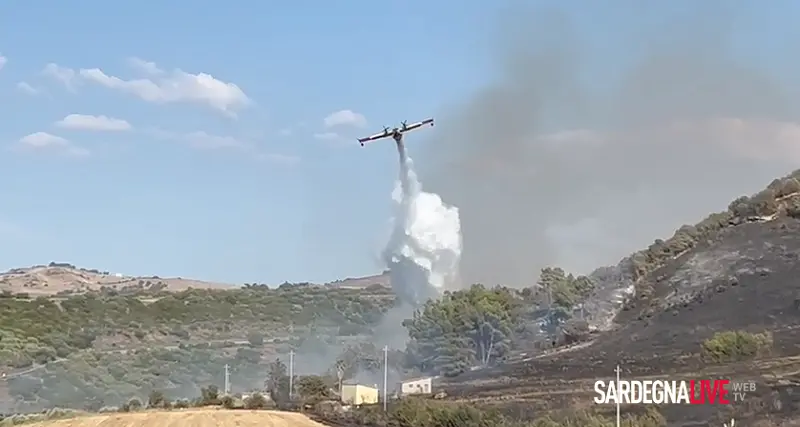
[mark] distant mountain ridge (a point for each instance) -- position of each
(362, 282)
(60, 278)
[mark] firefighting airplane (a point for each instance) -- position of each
(396, 133)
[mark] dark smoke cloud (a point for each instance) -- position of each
(551, 164)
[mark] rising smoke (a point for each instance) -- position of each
(424, 249)
(607, 127)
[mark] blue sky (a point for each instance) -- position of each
(208, 155)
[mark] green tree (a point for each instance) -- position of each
(565, 290)
(313, 388)
(463, 328)
(277, 382)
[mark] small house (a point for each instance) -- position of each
(422, 385)
(357, 394)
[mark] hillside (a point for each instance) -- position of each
(362, 282)
(655, 312)
(734, 271)
(101, 349)
(66, 279)
(63, 279)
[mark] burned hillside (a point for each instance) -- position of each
(733, 273)
(734, 270)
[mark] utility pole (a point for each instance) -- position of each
(291, 374)
(385, 377)
(227, 380)
(618, 370)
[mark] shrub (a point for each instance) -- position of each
(730, 346)
(227, 402)
(209, 396)
(255, 339)
(132, 405)
(50, 414)
(156, 399)
(793, 207)
(256, 401)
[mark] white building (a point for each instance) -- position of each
(423, 385)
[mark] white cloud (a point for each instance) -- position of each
(65, 76)
(175, 87)
(43, 139)
(40, 141)
(3, 61)
(95, 123)
(145, 67)
(27, 88)
(345, 118)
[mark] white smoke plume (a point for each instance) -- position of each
(424, 250)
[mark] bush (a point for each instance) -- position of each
(209, 396)
(156, 399)
(227, 402)
(132, 405)
(730, 346)
(256, 401)
(255, 339)
(50, 414)
(793, 207)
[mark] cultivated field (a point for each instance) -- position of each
(187, 418)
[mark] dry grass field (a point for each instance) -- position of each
(187, 418)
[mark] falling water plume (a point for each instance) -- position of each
(424, 249)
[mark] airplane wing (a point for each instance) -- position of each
(418, 124)
(375, 137)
